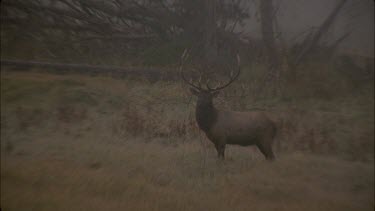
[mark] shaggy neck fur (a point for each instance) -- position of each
(205, 114)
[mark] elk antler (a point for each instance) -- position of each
(184, 57)
(232, 77)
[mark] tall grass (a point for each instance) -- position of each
(340, 125)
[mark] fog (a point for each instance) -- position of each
(296, 16)
(187, 105)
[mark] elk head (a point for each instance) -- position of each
(206, 113)
(206, 93)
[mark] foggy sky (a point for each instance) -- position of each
(296, 16)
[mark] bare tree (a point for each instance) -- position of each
(299, 52)
(312, 39)
(119, 25)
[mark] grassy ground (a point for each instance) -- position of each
(71, 142)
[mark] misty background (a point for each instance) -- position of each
(145, 28)
(96, 116)
(296, 16)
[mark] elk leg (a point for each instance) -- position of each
(221, 151)
(266, 151)
(220, 148)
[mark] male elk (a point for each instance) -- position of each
(230, 127)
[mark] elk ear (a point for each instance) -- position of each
(194, 91)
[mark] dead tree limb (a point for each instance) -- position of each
(312, 43)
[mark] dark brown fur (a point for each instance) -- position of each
(230, 127)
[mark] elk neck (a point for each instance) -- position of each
(205, 114)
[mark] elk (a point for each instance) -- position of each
(230, 127)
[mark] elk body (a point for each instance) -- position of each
(231, 127)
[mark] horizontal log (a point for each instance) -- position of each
(151, 73)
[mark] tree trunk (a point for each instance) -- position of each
(267, 13)
(267, 21)
(210, 46)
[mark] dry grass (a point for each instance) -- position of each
(83, 143)
(62, 173)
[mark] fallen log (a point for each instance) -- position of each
(115, 71)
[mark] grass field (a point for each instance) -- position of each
(73, 142)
